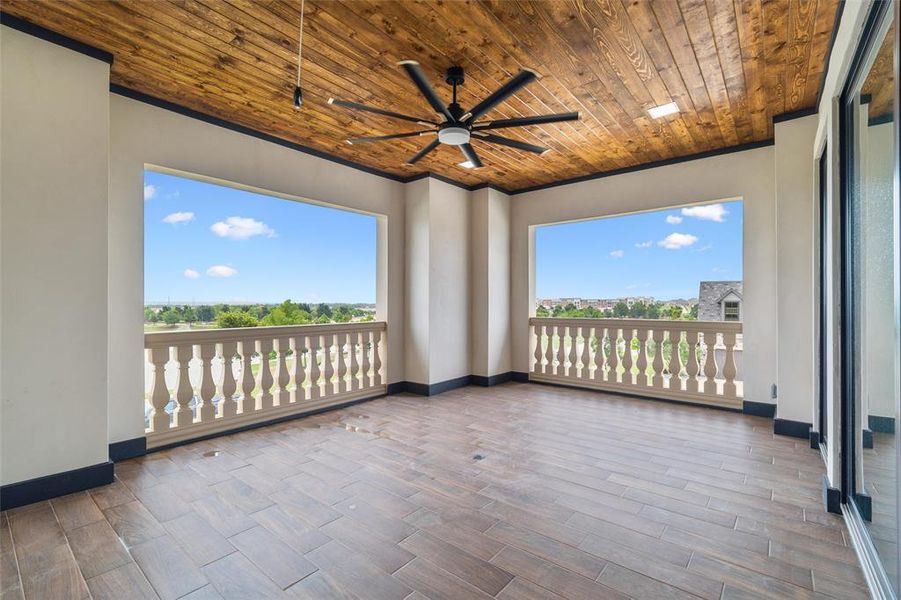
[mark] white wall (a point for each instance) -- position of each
(748, 175)
(796, 203)
(54, 115)
(416, 281)
(449, 300)
(490, 279)
(141, 135)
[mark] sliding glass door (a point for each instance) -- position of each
(870, 347)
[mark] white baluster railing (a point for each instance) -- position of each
(206, 381)
(689, 361)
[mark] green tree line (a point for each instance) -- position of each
(621, 310)
(256, 315)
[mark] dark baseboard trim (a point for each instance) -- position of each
(832, 498)
(520, 377)
(814, 439)
(127, 449)
(58, 484)
(54, 38)
(433, 389)
(491, 380)
(881, 424)
(797, 429)
(398, 387)
(759, 409)
(864, 506)
(866, 438)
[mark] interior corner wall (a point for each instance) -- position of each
(54, 115)
(490, 282)
(795, 223)
(748, 175)
(144, 135)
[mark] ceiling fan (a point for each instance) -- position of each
(457, 127)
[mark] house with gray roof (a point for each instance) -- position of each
(720, 301)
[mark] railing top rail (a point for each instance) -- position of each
(202, 336)
(667, 324)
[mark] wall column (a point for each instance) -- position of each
(437, 279)
(795, 222)
(53, 242)
(490, 269)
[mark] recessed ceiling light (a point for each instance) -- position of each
(467, 164)
(663, 110)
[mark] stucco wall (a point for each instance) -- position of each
(795, 223)
(54, 115)
(490, 280)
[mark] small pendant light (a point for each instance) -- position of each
(298, 93)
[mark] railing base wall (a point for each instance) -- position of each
(204, 431)
(59, 484)
(734, 404)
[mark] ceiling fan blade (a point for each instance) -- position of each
(521, 121)
(378, 138)
(496, 139)
(379, 111)
(425, 88)
(499, 95)
(416, 157)
(470, 153)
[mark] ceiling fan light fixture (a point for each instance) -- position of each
(298, 98)
(453, 136)
(658, 112)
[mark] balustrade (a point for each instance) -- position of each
(691, 361)
(205, 381)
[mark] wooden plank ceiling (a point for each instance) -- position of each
(730, 65)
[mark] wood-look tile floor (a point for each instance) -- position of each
(517, 491)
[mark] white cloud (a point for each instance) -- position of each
(674, 241)
(709, 212)
(191, 274)
(618, 253)
(673, 219)
(646, 244)
(241, 228)
(149, 191)
(221, 271)
(703, 248)
(178, 217)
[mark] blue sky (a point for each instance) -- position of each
(664, 254)
(209, 243)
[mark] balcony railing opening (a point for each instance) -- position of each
(690, 361)
(203, 382)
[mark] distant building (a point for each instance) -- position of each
(720, 301)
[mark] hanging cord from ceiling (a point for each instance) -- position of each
(298, 93)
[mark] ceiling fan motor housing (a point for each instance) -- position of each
(453, 135)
